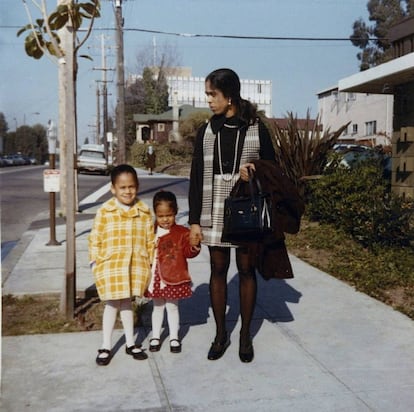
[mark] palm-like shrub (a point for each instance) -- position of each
(302, 150)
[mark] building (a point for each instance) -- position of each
(397, 77)
(189, 90)
(369, 115)
(186, 95)
(162, 127)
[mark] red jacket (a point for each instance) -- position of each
(173, 251)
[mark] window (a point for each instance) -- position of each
(371, 128)
(354, 128)
(161, 127)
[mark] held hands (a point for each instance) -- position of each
(196, 236)
(244, 171)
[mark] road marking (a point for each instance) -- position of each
(96, 195)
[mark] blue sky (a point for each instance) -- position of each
(298, 69)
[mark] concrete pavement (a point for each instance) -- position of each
(319, 346)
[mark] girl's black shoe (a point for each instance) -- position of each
(175, 348)
(136, 352)
(103, 361)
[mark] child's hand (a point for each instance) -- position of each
(196, 236)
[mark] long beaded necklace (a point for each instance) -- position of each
(236, 149)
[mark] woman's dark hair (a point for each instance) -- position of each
(228, 82)
(165, 196)
(118, 170)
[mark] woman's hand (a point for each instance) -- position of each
(196, 235)
(244, 171)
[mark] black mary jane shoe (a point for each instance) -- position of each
(103, 361)
(246, 352)
(154, 345)
(217, 349)
(136, 352)
(175, 348)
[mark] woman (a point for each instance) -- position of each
(223, 153)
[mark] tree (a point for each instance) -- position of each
(373, 39)
(57, 36)
(155, 91)
(134, 103)
(4, 127)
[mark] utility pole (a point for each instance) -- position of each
(67, 121)
(98, 118)
(120, 107)
(104, 94)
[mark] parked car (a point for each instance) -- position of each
(7, 161)
(17, 160)
(350, 155)
(30, 160)
(91, 158)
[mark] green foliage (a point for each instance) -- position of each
(167, 154)
(188, 127)
(155, 91)
(384, 14)
(302, 151)
(359, 202)
(44, 37)
(383, 272)
(28, 140)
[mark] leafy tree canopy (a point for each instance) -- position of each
(373, 39)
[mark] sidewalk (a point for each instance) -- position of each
(319, 346)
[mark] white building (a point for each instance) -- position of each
(190, 90)
(370, 115)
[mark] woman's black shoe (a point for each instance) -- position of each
(246, 352)
(103, 361)
(217, 349)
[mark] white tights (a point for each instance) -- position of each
(173, 317)
(109, 317)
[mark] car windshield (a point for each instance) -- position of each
(90, 153)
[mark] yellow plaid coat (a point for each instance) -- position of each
(122, 245)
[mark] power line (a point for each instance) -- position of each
(228, 36)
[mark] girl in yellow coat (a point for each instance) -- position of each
(121, 247)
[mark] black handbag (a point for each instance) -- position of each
(247, 218)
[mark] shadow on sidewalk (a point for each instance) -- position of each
(272, 298)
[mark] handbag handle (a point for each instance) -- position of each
(252, 178)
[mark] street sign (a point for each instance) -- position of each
(51, 180)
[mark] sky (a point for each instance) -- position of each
(298, 69)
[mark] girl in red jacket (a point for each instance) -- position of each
(170, 278)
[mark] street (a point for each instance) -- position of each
(23, 200)
(24, 203)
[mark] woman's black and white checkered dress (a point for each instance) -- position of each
(209, 182)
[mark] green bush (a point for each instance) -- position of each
(359, 202)
(166, 154)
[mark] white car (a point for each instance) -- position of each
(91, 158)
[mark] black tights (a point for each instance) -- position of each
(220, 262)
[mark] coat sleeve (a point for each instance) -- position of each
(196, 179)
(95, 237)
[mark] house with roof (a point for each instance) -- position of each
(163, 127)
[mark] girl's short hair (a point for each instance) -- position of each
(165, 196)
(123, 168)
